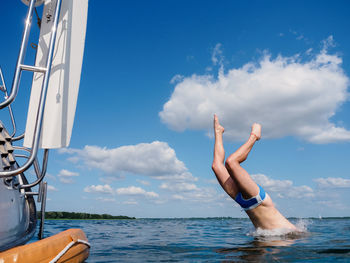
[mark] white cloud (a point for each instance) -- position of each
(128, 191)
(328, 42)
(271, 184)
(48, 175)
(333, 182)
(178, 197)
(65, 176)
(176, 78)
(288, 96)
(179, 186)
(66, 180)
(155, 159)
(299, 36)
(65, 150)
(103, 199)
(186, 176)
(217, 56)
(192, 193)
(66, 173)
(133, 190)
(51, 188)
(308, 52)
(110, 179)
(283, 188)
(105, 189)
(203, 195)
(143, 182)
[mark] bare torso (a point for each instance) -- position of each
(266, 216)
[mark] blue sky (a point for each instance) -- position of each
(154, 73)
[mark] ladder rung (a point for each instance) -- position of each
(33, 68)
(5, 163)
(3, 151)
(7, 136)
(9, 147)
(2, 138)
(11, 158)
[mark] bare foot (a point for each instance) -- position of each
(256, 131)
(217, 127)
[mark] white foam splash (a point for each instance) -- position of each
(270, 232)
(301, 226)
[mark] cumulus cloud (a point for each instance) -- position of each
(104, 189)
(155, 159)
(65, 176)
(287, 95)
(190, 192)
(133, 190)
(179, 186)
(333, 182)
(283, 188)
(202, 195)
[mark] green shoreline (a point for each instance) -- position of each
(54, 215)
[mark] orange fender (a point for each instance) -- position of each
(47, 249)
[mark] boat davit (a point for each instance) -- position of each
(53, 96)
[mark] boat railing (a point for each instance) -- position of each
(14, 91)
(40, 173)
(4, 89)
(31, 156)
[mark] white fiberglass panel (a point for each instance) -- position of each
(64, 80)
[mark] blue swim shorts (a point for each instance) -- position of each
(248, 204)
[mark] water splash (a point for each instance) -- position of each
(301, 230)
(270, 232)
(302, 225)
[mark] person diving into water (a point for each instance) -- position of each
(238, 184)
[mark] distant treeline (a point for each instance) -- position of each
(73, 215)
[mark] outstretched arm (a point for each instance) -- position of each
(218, 166)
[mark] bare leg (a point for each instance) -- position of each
(245, 183)
(224, 178)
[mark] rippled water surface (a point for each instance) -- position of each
(208, 240)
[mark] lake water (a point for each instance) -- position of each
(209, 240)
